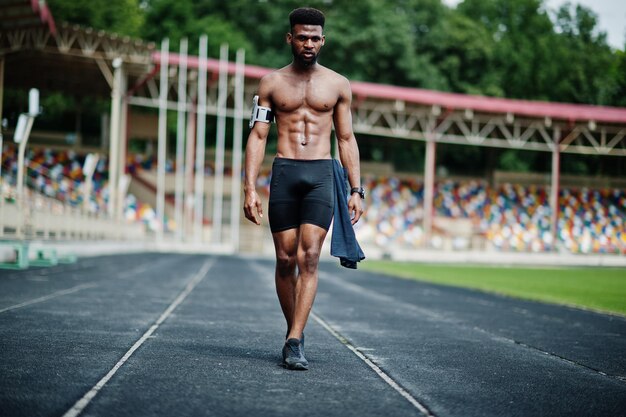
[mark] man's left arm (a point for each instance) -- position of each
(348, 148)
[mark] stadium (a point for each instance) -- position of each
(122, 239)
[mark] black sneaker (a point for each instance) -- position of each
(293, 357)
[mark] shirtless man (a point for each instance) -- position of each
(306, 99)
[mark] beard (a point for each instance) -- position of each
(302, 60)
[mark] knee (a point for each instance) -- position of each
(285, 264)
(308, 259)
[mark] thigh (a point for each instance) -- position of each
(286, 243)
(318, 204)
(310, 239)
(284, 202)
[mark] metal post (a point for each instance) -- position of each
(218, 190)
(123, 143)
(162, 145)
(235, 209)
(188, 189)
(1, 100)
(555, 186)
(200, 141)
(114, 135)
(429, 183)
(180, 139)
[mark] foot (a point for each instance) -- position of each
(293, 357)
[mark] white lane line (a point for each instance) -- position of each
(393, 384)
(49, 297)
(266, 271)
(90, 395)
(459, 323)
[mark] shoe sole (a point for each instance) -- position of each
(297, 367)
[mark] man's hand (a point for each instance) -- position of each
(252, 206)
(355, 205)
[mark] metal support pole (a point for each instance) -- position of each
(200, 141)
(162, 145)
(218, 190)
(235, 209)
(1, 101)
(429, 184)
(114, 135)
(180, 139)
(555, 187)
(121, 155)
(188, 189)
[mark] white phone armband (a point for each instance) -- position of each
(260, 113)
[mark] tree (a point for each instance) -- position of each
(587, 74)
(464, 52)
(124, 17)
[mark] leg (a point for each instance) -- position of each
(310, 242)
(286, 245)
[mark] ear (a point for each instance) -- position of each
(288, 38)
(323, 40)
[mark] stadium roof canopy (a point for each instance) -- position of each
(39, 53)
(363, 90)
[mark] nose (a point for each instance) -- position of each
(308, 43)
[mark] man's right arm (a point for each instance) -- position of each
(255, 151)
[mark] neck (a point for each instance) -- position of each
(303, 67)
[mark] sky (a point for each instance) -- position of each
(611, 16)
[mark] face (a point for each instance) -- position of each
(306, 42)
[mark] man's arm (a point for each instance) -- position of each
(255, 151)
(348, 148)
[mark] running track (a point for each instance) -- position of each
(193, 335)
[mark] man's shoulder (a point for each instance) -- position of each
(334, 75)
(338, 81)
(274, 76)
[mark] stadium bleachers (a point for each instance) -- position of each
(509, 217)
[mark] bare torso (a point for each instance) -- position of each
(304, 104)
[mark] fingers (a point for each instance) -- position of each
(355, 206)
(259, 208)
(252, 206)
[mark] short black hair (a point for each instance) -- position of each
(306, 16)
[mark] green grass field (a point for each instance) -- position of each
(602, 289)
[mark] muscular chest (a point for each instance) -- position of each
(309, 95)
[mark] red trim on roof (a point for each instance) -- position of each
(44, 15)
(538, 109)
(213, 65)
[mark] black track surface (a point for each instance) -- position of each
(456, 352)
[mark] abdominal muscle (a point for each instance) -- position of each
(304, 136)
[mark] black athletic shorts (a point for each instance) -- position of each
(301, 191)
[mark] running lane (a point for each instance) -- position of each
(190, 335)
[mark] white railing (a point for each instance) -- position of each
(44, 218)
